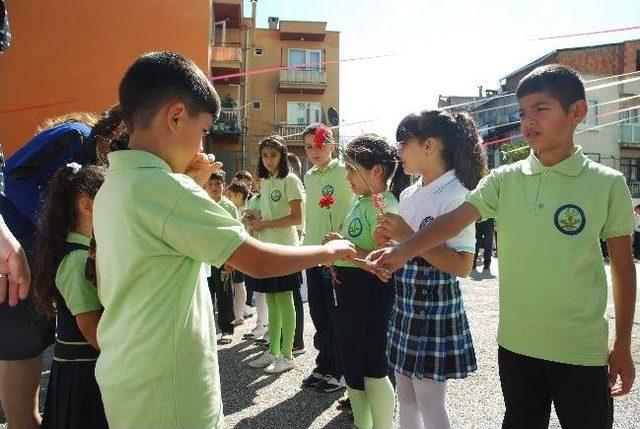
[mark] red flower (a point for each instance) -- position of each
(320, 136)
(378, 202)
(326, 201)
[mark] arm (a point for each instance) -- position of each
(449, 260)
(292, 219)
(14, 284)
(88, 324)
(623, 276)
(435, 233)
(262, 260)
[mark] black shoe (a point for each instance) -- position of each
(330, 384)
(313, 380)
(344, 403)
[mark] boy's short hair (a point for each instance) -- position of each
(158, 78)
(243, 175)
(560, 82)
(218, 176)
(310, 130)
(239, 188)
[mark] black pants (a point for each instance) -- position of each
(222, 294)
(361, 325)
(580, 394)
(322, 314)
(298, 339)
(484, 239)
(636, 245)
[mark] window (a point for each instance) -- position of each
(302, 113)
(307, 59)
(258, 52)
(630, 167)
(592, 114)
(631, 116)
(256, 105)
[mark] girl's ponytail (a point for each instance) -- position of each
(470, 160)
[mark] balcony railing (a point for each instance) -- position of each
(226, 54)
(292, 133)
(630, 133)
(228, 122)
(634, 188)
(303, 77)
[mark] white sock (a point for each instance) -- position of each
(430, 395)
(410, 417)
(239, 299)
(262, 313)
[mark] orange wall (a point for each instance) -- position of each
(75, 52)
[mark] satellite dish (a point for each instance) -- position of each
(334, 118)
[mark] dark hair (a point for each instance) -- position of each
(243, 175)
(294, 163)
(560, 82)
(109, 134)
(157, 78)
(276, 142)
(370, 150)
(462, 148)
(240, 188)
(87, 118)
(218, 175)
(57, 219)
(310, 130)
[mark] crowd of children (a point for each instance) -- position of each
(136, 335)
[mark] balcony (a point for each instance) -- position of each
(226, 60)
(229, 11)
(302, 81)
(227, 130)
(634, 188)
(292, 133)
(303, 31)
(630, 134)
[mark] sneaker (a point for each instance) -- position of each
(263, 361)
(257, 332)
(298, 351)
(280, 364)
(330, 384)
(313, 380)
(225, 339)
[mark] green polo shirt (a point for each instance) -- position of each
(361, 222)
(318, 183)
(276, 194)
(80, 295)
(553, 289)
(229, 207)
(156, 231)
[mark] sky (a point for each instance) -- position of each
(446, 47)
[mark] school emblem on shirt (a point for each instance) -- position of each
(276, 195)
(425, 221)
(327, 190)
(355, 228)
(570, 219)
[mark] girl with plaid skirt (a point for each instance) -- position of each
(429, 340)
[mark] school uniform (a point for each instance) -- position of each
(73, 397)
(553, 334)
(277, 193)
(429, 335)
(156, 231)
(361, 300)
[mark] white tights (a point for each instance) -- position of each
(421, 403)
(239, 300)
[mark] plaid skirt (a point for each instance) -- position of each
(429, 334)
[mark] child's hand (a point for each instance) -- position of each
(339, 249)
(201, 167)
(621, 365)
(393, 227)
(388, 259)
(331, 236)
(258, 225)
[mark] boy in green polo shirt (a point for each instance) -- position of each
(552, 208)
(327, 177)
(156, 230)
